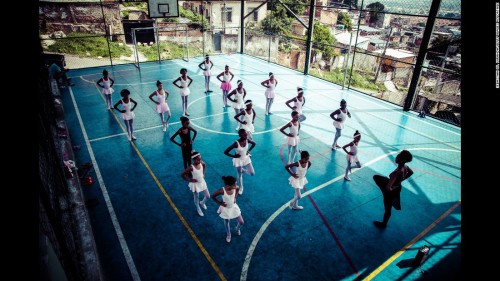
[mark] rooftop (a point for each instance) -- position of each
(398, 54)
(345, 37)
(370, 29)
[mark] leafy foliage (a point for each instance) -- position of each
(358, 79)
(351, 3)
(83, 44)
(323, 40)
(174, 50)
(196, 20)
(346, 20)
(375, 10)
(279, 21)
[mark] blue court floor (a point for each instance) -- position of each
(146, 226)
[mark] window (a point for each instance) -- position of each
(255, 16)
(229, 14)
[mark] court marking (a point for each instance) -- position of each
(226, 112)
(322, 217)
(153, 127)
(411, 243)
(107, 200)
(160, 186)
(265, 225)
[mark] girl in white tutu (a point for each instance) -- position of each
(184, 86)
(206, 66)
(228, 209)
(107, 83)
(197, 182)
(292, 137)
(227, 77)
(248, 118)
(128, 115)
(352, 155)
(339, 116)
(237, 96)
(270, 85)
(161, 103)
(298, 103)
(241, 158)
(298, 179)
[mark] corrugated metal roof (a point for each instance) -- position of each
(344, 38)
(398, 54)
(369, 29)
(376, 40)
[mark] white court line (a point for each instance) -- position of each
(227, 112)
(154, 127)
(112, 214)
(263, 228)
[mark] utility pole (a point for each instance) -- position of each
(224, 17)
(203, 29)
(434, 91)
(347, 60)
(312, 12)
(383, 55)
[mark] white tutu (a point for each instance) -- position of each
(248, 127)
(129, 116)
(162, 107)
(338, 125)
(229, 213)
(293, 141)
(269, 93)
(108, 91)
(298, 183)
(352, 158)
(243, 160)
(198, 186)
(185, 91)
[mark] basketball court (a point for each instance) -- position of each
(146, 226)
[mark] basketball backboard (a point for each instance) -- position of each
(163, 8)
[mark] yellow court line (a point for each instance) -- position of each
(413, 241)
(177, 212)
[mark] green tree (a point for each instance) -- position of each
(279, 21)
(344, 19)
(196, 20)
(441, 43)
(323, 40)
(375, 10)
(351, 3)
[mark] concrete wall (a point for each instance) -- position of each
(230, 43)
(329, 17)
(258, 46)
(80, 17)
(402, 76)
(293, 59)
(363, 61)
